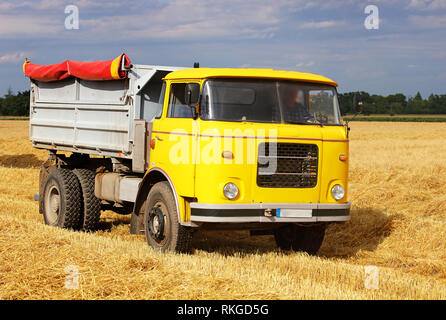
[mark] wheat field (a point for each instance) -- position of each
(397, 190)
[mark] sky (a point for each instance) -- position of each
(406, 54)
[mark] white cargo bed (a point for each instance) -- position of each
(95, 117)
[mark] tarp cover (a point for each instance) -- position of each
(96, 70)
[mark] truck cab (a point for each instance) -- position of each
(263, 150)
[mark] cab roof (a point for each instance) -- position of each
(204, 73)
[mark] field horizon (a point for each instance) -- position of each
(347, 117)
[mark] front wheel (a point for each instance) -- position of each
(161, 223)
(300, 238)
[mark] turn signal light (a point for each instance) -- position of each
(227, 155)
(343, 157)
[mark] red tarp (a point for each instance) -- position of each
(96, 70)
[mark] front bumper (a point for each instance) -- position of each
(269, 212)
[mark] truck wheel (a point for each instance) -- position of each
(162, 228)
(300, 238)
(91, 206)
(62, 199)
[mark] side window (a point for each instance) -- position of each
(161, 102)
(152, 98)
(177, 106)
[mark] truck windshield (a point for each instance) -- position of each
(269, 101)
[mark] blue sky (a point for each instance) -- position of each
(406, 54)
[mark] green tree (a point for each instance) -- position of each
(416, 105)
(15, 105)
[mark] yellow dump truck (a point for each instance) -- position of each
(181, 149)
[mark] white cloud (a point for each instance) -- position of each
(28, 25)
(179, 20)
(35, 5)
(13, 57)
(305, 64)
(427, 4)
(428, 22)
(165, 20)
(417, 4)
(322, 24)
(56, 5)
(231, 19)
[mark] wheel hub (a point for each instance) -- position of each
(156, 223)
(52, 204)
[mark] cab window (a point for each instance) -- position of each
(177, 107)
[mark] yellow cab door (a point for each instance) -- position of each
(174, 133)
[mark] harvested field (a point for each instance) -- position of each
(397, 188)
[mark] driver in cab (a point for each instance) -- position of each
(294, 110)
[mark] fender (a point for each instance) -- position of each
(152, 176)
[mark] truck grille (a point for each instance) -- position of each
(288, 165)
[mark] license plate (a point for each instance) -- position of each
(294, 213)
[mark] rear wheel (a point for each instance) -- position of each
(62, 199)
(162, 227)
(300, 238)
(91, 206)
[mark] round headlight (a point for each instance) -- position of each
(337, 192)
(230, 191)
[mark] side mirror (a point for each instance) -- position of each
(357, 103)
(192, 94)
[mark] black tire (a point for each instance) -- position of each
(91, 206)
(162, 228)
(62, 200)
(284, 236)
(300, 238)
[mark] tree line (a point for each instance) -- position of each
(18, 104)
(15, 104)
(394, 104)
